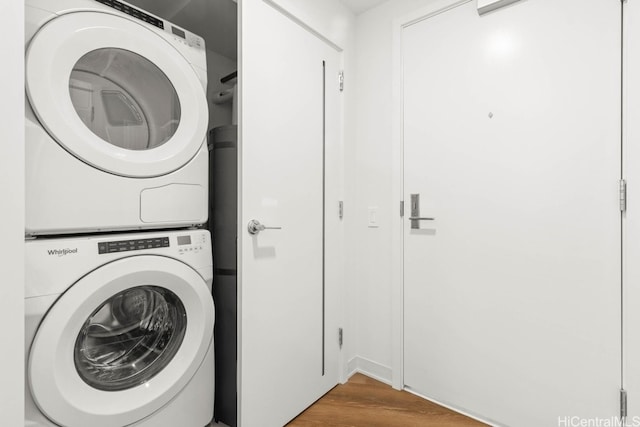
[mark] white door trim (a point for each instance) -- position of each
(397, 183)
(302, 22)
(326, 20)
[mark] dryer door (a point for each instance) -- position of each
(116, 94)
(121, 342)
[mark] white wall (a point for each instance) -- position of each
(12, 224)
(370, 264)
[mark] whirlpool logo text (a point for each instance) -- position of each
(62, 252)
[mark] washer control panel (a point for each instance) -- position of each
(191, 243)
(132, 245)
(184, 243)
(132, 11)
(179, 35)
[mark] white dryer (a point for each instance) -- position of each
(119, 330)
(116, 119)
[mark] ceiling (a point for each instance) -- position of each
(359, 6)
(216, 20)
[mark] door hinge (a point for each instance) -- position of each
(340, 337)
(623, 404)
(341, 81)
(623, 195)
(340, 209)
(401, 208)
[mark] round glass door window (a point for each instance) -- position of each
(130, 338)
(124, 99)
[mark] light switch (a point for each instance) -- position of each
(373, 217)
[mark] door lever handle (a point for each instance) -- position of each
(415, 213)
(254, 227)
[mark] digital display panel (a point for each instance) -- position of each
(178, 32)
(184, 240)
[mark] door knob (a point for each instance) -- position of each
(255, 227)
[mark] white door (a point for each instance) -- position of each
(290, 110)
(512, 141)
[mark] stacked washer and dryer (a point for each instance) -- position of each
(118, 309)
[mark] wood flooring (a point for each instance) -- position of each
(364, 402)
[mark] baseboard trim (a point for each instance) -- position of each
(369, 368)
(455, 408)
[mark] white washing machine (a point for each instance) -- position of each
(119, 330)
(116, 119)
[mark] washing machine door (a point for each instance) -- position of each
(116, 94)
(121, 342)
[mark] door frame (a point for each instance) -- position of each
(397, 182)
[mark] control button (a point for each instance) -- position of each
(132, 245)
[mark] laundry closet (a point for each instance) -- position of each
(131, 156)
